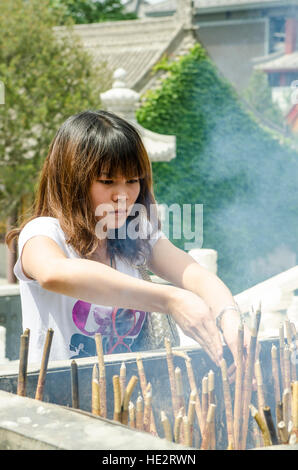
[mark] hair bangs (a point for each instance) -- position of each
(123, 155)
(89, 145)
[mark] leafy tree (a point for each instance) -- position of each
(90, 11)
(47, 77)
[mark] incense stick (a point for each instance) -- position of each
(283, 432)
(228, 404)
(287, 367)
(288, 330)
(292, 439)
(260, 391)
(295, 408)
(262, 425)
(258, 317)
(208, 427)
(281, 354)
(256, 435)
(211, 394)
(238, 386)
(295, 335)
(102, 375)
(180, 399)
(132, 415)
(248, 377)
(275, 374)
(166, 426)
(95, 394)
(270, 425)
(143, 383)
(279, 412)
(128, 392)
(211, 399)
(44, 365)
(122, 380)
(193, 386)
(117, 398)
(23, 363)
(177, 426)
(191, 412)
(139, 413)
(186, 431)
(179, 389)
(147, 410)
(204, 401)
(286, 397)
(74, 385)
(170, 364)
(292, 347)
(27, 332)
(293, 362)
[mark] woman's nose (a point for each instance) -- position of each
(120, 196)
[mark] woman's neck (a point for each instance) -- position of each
(101, 254)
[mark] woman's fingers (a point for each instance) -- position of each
(196, 320)
(205, 344)
(214, 338)
(208, 337)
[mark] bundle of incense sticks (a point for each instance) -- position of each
(281, 429)
(192, 420)
(23, 364)
(102, 375)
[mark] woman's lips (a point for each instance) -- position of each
(118, 212)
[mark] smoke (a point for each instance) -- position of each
(257, 216)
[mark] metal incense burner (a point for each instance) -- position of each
(173, 398)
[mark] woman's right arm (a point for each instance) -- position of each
(91, 281)
(94, 282)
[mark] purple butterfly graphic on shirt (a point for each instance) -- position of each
(119, 327)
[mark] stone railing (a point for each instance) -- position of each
(277, 298)
(278, 302)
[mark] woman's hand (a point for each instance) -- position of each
(230, 323)
(195, 319)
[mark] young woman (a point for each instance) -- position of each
(78, 276)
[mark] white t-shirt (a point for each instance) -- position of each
(74, 322)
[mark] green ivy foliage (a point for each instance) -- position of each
(244, 175)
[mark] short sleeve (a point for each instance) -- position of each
(48, 226)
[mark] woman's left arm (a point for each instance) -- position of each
(181, 270)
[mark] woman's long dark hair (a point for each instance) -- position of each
(87, 144)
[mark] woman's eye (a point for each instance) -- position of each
(105, 181)
(133, 181)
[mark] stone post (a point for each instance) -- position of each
(206, 258)
(124, 101)
(119, 99)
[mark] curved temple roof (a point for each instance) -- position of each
(135, 45)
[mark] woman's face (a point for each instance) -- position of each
(113, 199)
